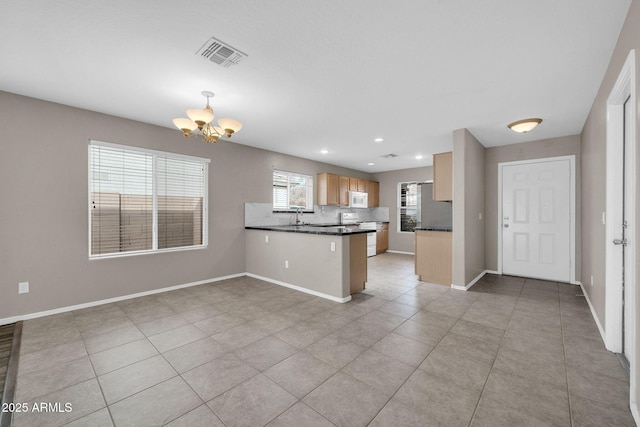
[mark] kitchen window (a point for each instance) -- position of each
(145, 201)
(407, 206)
(292, 191)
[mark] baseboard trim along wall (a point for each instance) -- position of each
(593, 314)
(14, 319)
(401, 252)
(298, 288)
(470, 284)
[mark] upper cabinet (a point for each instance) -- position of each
(328, 186)
(333, 190)
(344, 191)
(443, 177)
(373, 189)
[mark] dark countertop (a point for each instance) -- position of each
(434, 228)
(311, 229)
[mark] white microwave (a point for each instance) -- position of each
(358, 199)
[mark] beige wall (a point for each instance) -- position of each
(402, 242)
(468, 205)
(43, 215)
(594, 165)
(569, 145)
(316, 267)
(593, 140)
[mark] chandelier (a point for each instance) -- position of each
(201, 118)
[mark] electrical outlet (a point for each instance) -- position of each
(266, 238)
(592, 280)
(604, 218)
(479, 216)
(333, 246)
(23, 287)
(286, 263)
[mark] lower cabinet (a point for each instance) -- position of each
(433, 256)
(382, 238)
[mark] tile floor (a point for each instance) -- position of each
(403, 353)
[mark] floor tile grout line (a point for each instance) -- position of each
(418, 365)
(564, 356)
(484, 386)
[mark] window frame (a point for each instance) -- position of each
(399, 206)
(310, 188)
(154, 182)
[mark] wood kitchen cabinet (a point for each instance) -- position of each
(443, 177)
(382, 238)
(343, 190)
(373, 189)
(333, 190)
(357, 184)
(328, 187)
(433, 253)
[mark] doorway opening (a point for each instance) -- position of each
(620, 247)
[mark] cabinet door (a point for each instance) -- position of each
(385, 237)
(353, 184)
(443, 177)
(376, 194)
(371, 191)
(362, 185)
(344, 191)
(328, 189)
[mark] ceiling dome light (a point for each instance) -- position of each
(419, 157)
(324, 151)
(524, 126)
(370, 164)
(378, 140)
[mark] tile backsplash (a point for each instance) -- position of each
(256, 214)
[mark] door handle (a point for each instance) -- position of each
(622, 242)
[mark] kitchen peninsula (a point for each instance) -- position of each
(330, 262)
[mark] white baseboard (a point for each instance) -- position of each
(575, 282)
(492, 272)
(593, 314)
(14, 319)
(401, 252)
(301, 289)
(470, 284)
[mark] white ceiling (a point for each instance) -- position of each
(322, 74)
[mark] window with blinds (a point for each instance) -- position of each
(407, 206)
(143, 201)
(292, 191)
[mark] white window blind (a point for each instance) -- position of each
(292, 191)
(145, 201)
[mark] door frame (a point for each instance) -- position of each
(572, 207)
(624, 88)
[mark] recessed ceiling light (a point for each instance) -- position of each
(324, 151)
(419, 157)
(370, 164)
(378, 140)
(524, 126)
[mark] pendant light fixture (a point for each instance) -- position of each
(199, 122)
(524, 126)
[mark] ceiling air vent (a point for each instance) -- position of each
(221, 53)
(389, 156)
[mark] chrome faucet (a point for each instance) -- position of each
(298, 211)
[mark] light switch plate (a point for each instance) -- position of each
(333, 246)
(23, 287)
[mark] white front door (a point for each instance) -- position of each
(536, 220)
